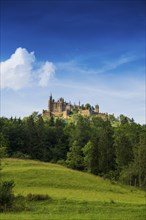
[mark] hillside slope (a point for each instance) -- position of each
(76, 195)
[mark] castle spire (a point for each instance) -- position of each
(51, 96)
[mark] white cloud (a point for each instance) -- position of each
(73, 67)
(45, 73)
(18, 71)
(116, 63)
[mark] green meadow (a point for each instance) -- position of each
(75, 195)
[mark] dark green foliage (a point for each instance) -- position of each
(139, 163)
(20, 204)
(78, 137)
(81, 131)
(3, 148)
(88, 156)
(9, 202)
(123, 150)
(125, 139)
(21, 155)
(6, 195)
(106, 148)
(113, 148)
(75, 157)
(51, 121)
(112, 201)
(37, 197)
(135, 173)
(88, 106)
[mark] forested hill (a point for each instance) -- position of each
(112, 148)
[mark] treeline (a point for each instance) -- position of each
(89, 144)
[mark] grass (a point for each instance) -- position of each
(75, 195)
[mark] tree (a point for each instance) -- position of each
(123, 148)
(3, 145)
(88, 106)
(123, 119)
(60, 147)
(81, 131)
(51, 121)
(3, 148)
(31, 137)
(139, 163)
(6, 195)
(135, 172)
(40, 145)
(88, 156)
(6, 187)
(74, 157)
(106, 148)
(103, 153)
(78, 137)
(96, 125)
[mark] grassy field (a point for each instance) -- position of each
(75, 195)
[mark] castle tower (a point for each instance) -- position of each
(97, 108)
(60, 104)
(50, 104)
(51, 96)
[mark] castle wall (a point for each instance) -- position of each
(57, 114)
(55, 107)
(102, 115)
(46, 114)
(85, 112)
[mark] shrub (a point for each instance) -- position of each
(21, 155)
(20, 204)
(37, 197)
(6, 195)
(112, 201)
(61, 162)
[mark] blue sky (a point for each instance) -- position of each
(92, 51)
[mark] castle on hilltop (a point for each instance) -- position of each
(64, 109)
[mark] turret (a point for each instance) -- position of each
(51, 96)
(50, 103)
(97, 108)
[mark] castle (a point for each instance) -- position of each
(63, 109)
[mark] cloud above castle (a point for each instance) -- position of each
(22, 70)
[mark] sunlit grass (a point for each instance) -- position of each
(76, 195)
